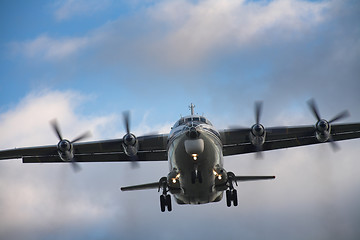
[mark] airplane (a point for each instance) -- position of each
(194, 150)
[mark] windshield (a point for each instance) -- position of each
(183, 121)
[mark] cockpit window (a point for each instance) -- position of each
(196, 119)
(183, 121)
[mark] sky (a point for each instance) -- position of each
(84, 62)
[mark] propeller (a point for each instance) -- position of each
(258, 110)
(323, 126)
(65, 147)
(130, 141)
(258, 130)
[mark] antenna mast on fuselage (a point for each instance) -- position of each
(191, 107)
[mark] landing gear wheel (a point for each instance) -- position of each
(165, 201)
(168, 203)
(231, 196)
(234, 197)
(162, 203)
(199, 177)
(228, 198)
(193, 177)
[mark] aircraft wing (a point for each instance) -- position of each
(237, 141)
(252, 178)
(151, 148)
(154, 185)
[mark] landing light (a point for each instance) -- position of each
(194, 156)
(176, 178)
(217, 175)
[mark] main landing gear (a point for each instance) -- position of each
(231, 193)
(165, 198)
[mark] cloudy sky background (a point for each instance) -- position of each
(85, 62)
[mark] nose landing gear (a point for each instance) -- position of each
(196, 175)
(231, 193)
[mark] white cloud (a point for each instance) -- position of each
(184, 33)
(66, 9)
(25, 192)
(48, 48)
(200, 29)
(31, 118)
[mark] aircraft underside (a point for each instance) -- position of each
(196, 168)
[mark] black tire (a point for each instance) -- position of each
(162, 203)
(193, 177)
(199, 177)
(168, 203)
(228, 198)
(234, 197)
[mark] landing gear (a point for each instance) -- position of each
(196, 175)
(165, 201)
(165, 198)
(231, 193)
(231, 196)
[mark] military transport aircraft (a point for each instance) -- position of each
(194, 150)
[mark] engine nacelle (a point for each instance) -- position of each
(257, 135)
(323, 129)
(130, 145)
(65, 150)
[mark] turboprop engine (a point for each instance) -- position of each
(323, 127)
(65, 150)
(130, 143)
(65, 147)
(257, 132)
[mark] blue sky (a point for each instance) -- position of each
(85, 62)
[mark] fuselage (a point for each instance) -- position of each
(195, 159)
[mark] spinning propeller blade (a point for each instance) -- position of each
(258, 110)
(56, 128)
(126, 116)
(314, 109)
(340, 116)
(81, 137)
